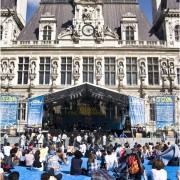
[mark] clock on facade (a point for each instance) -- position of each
(88, 30)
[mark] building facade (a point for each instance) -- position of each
(109, 43)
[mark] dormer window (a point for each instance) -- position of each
(47, 27)
(1, 32)
(47, 33)
(129, 33)
(129, 27)
(177, 33)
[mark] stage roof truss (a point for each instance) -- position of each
(86, 90)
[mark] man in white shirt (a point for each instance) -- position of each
(111, 160)
(104, 139)
(64, 137)
(7, 149)
(78, 138)
(40, 139)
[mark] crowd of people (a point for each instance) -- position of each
(46, 153)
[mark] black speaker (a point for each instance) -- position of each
(127, 125)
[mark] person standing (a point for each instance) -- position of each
(40, 139)
(104, 139)
(22, 141)
(5, 139)
(64, 137)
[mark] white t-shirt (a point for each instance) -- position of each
(40, 138)
(78, 138)
(7, 150)
(111, 160)
(157, 174)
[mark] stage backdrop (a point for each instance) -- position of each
(9, 111)
(136, 111)
(164, 111)
(35, 111)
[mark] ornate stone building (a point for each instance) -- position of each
(108, 43)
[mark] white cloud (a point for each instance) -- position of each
(33, 2)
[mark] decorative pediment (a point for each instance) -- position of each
(47, 14)
(129, 14)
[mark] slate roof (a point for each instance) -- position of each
(173, 4)
(7, 4)
(64, 15)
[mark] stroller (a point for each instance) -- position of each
(130, 167)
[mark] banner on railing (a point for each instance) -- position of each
(9, 111)
(35, 111)
(164, 111)
(136, 111)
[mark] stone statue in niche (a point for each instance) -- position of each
(54, 67)
(98, 32)
(121, 68)
(142, 68)
(171, 68)
(33, 68)
(4, 67)
(164, 68)
(11, 67)
(76, 30)
(99, 68)
(76, 67)
(88, 11)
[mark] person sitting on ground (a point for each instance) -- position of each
(37, 164)
(157, 171)
(43, 152)
(111, 160)
(92, 164)
(76, 163)
(29, 158)
(52, 160)
(62, 156)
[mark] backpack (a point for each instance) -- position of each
(134, 168)
(131, 159)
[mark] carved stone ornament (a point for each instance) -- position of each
(76, 70)
(129, 14)
(120, 65)
(142, 68)
(109, 32)
(47, 14)
(67, 32)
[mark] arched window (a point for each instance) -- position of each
(1, 32)
(47, 33)
(129, 33)
(177, 33)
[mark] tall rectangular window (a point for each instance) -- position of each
(23, 70)
(131, 70)
(153, 71)
(110, 70)
(88, 69)
(66, 70)
(44, 70)
(178, 75)
(22, 111)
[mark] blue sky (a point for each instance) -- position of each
(145, 6)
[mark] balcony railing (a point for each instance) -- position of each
(62, 43)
